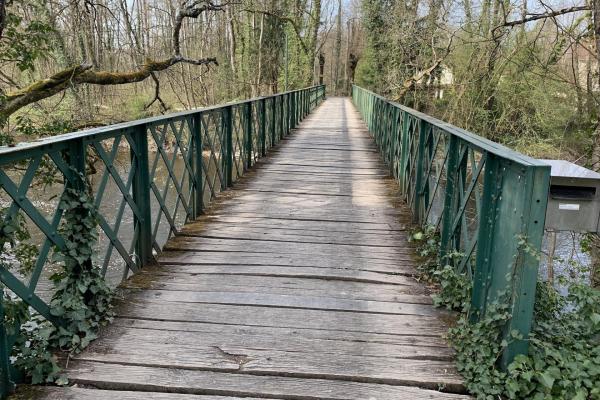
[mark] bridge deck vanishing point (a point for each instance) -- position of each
(297, 284)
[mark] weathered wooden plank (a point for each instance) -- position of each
(286, 246)
(77, 393)
(390, 239)
(324, 333)
(231, 384)
(351, 275)
(288, 301)
(292, 226)
(423, 373)
(289, 227)
(340, 261)
(355, 204)
(396, 264)
(117, 339)
(310, 224)
(282, 285)
(315, 216)
(287, 318)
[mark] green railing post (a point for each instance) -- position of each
(449, 197)
(505, 271)
(286, 111)
(294, 110)
(197, 167)
(7, 386)
(249, 122)
(281, 122)
(76, 158)
(141, 196)
(273, 120)
(228, 130)
(404, 139)
(525, 272)
(487, 220)
(420, 169)
(263, 127)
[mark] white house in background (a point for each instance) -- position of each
(445, 78)
(439, 79)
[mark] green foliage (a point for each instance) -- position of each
(427, 241)
(17, 250)
(366, 72)
(564, 356)
(82, 297)
(478, 347)
(455, 288)
(23, 40)
(31, 352)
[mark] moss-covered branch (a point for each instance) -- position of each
(84, 73)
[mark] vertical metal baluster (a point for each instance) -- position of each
(249, 122)
(420, 167)
(228, 126)
(141, 197)
(281, 131)
(273, 120)
(263, 127)
(450, 196)
(197, 167)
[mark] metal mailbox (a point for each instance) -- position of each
(574, 198)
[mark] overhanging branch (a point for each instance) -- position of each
(84, 74)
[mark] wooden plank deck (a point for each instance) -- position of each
(297, 284)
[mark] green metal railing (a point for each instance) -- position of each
(148, 176)
(484, 199)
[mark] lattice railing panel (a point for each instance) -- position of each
(483, 198)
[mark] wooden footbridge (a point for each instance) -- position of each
(298, 281)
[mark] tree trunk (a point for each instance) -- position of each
(316, 16)
(338, 47)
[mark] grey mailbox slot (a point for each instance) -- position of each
(574, 198)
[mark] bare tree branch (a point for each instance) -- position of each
(156, 94)
(191, 9)
(550, 14)
(84, 74)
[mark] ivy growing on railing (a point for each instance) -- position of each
(564, 355)
(82, 300)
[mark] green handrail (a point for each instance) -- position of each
(164, 170)
(484, 199)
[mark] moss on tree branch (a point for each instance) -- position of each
(84, 73)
